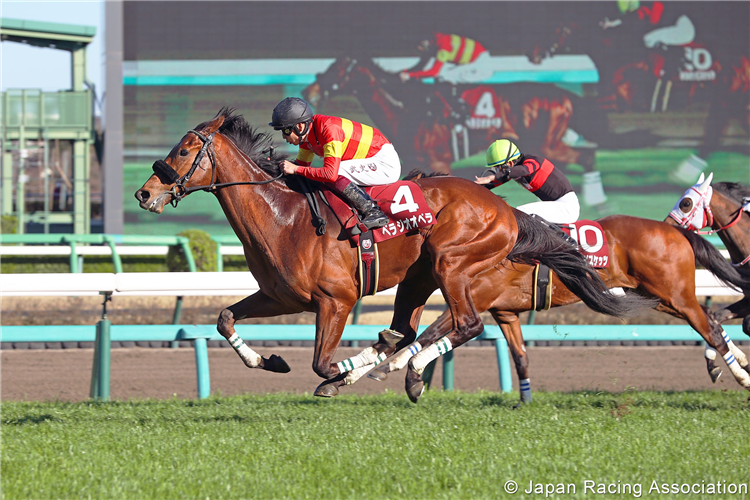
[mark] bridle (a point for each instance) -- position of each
(162, 169)
(704, 200)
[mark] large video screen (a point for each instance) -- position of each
(632, 101)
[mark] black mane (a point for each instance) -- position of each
(733, 190)
(257, 145)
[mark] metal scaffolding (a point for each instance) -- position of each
(33, 120)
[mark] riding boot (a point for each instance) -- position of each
(571, 241)
(370, 214)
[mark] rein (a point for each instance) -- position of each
(179, 191)
(710, 218)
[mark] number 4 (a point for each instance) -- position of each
(403, 201)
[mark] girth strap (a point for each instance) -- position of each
(541, 288)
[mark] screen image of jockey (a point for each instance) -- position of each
(657, 26)
(353, 155)
(451, 58)
(558, 202)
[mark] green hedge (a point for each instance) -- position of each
(201, 245)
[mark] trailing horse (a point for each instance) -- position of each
(647, 258)
(298, 270)
(721, 207)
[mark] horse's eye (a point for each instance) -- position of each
(686, 204)
(184, 152)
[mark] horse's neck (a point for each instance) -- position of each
(257, 213)
(737, 237)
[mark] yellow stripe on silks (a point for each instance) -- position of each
(364, 143)
(468, 51)
(334, 149)
(305, 155)
(348, 127)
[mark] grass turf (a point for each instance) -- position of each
(450, 445)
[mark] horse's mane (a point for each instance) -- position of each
(420, 174)
(733, 190)
(257, 145)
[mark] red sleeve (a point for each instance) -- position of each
(331, 135)
(328, 173)
(429, 72)
(528, 167)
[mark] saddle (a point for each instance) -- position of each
(404, 204)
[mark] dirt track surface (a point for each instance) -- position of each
(139, 373)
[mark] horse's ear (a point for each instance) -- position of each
(214, 125)
(701, 178)
(705, 184)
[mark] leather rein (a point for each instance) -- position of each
(162, 169)
(710, 221)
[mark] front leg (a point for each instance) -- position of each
(329, 326)
(258, 305)
(739, 309)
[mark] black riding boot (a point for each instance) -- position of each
(370, 214)
(572, 242)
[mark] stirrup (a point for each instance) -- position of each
(374, 221)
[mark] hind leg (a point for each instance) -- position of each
(407, 311)
(257, 305)
(739, 309)
(511, 327)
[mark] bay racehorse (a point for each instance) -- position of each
(298, 270)
(646, 257)
(720, 206)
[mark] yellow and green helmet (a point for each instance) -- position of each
(501, 152)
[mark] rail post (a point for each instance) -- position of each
(102, 348)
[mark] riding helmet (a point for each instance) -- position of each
(501, 152)
(290, 112)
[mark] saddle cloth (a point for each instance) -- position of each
(403, 203)
(592, 242)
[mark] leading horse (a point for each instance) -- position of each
(646, 257)
(297, 270)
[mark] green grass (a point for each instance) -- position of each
(450, 445)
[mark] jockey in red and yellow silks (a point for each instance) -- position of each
(455, 59)
(338, 140)
(353, 155)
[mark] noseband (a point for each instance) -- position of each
(162, 169)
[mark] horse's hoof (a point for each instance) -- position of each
(715, 374)
(378, 375)
(276, 364)
(518, 405)
(327, 390)
(414, 386)
(415, 391)
(391, 337)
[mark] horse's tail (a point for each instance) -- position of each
(710, 258)
(537, 242)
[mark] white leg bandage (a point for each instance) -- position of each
(250, 357)
(424, 358)
(526, 390)
(738, 354)
(400, 361)
(741, 375)
(364, 358)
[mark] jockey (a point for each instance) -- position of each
(455, 59)
(559, 203)
(353, 154)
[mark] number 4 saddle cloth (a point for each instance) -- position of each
(407, 211)
(403, 203)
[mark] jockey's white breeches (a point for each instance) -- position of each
(564, 210)
(382, 168)
(478, 70)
